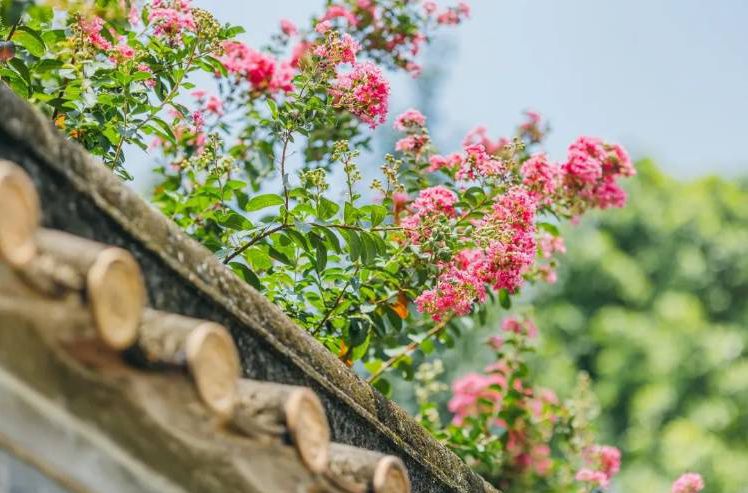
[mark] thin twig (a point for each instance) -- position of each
(336, 304)
(264, 234)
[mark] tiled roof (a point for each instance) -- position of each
(111, 314)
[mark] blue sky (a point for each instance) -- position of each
(667, 78)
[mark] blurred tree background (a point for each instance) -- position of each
(652, 302)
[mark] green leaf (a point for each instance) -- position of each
(504, 300)
(376, 212)
(263, 201)
(331, 238)
(326, 209)
(550, 228)
(353, 242)
(30, 39)
(246, 274)
(383, 386)
(273, 107)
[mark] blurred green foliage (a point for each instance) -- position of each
(652, 301)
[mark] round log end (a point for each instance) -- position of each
(214, 363)
(19, 219)
(309, 429)
(117, 296)
(391, 476)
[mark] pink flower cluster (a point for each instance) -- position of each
(688, 483)
(524, 327)
(364, 92)
(603, 462)
(412, 144)
(335, 11)
(211, 104)
(449, 16)
(338, 49)
(171, 17)
(541, 177)
(288, 28)
(591, 170)
(479, 135)
(262, 71)
(510, 250)
(472, 164)
(432, 206)
(469, 390)
(533, 129)
(410, 119)
(92, 29)
(456, 291)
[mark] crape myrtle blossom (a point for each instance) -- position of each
(591, 171)
(288, 28)
(263, 72)
(337, 49)
(688, 483)
(364, 92)
(92, 27)
(170, 17)
(409, 120)
(602, 463)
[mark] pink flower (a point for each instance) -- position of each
(603, 463)
(479, 135)
(429, 7)
(478, 163)
(92, 28)
(338, 49)
(298, 52)
(199, 94)
(133, 16)
(609, 194)
(364, 92)
(456, 291)
(171, 17)
(335, 11)
(411, 118)
(323, 26)
(436, 200)
(412, 143)
(584, 165)
(468, 392)
(550, 244)
(541, 177)
(288, 28)
(688, 483)
(521, 327)
(263, 72)
(437, 162)
(122, 52)
(214, 105)
(595, 478)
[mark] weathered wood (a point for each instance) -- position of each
(372, 471)
(271, 408)
(19, 215)
(205, 348)
(109, 278)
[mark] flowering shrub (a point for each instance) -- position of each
(244, 168)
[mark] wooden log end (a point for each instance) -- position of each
(19, 216)
(309, 429)
(391, 476)
(116, 293)
(214, 363)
